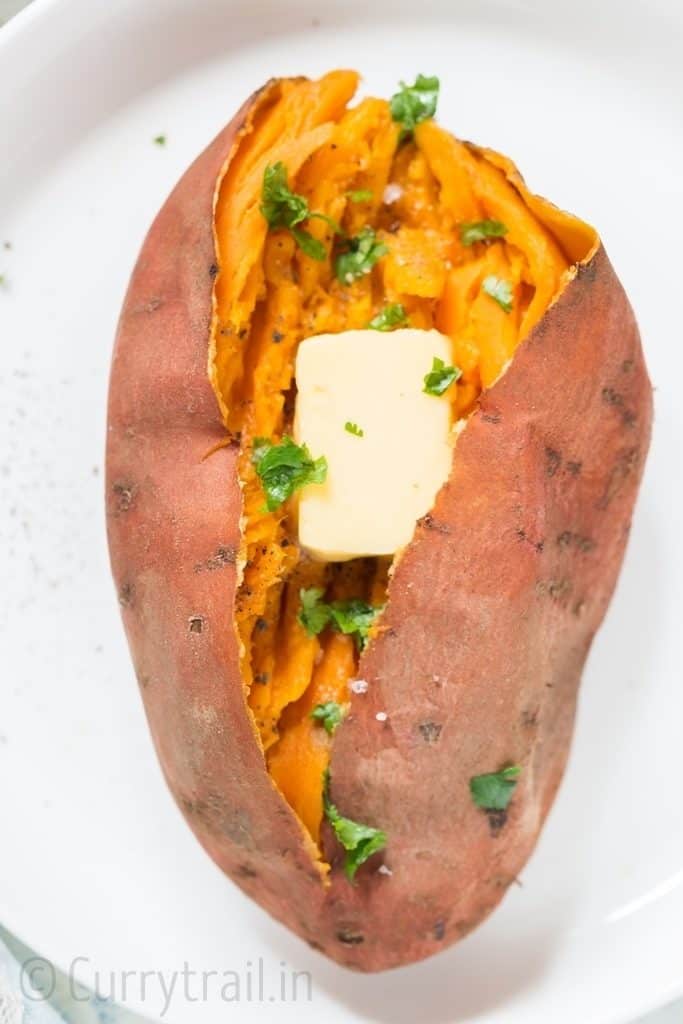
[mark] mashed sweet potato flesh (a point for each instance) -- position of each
(269, 295)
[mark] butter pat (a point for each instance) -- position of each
(379, 484)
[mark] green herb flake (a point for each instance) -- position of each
(440, 377)
(283, 208)
(499, 290)
(480, 230)
(353, 617)
(284, 468)
(493, 792)
(392, 316)
(353, 428)
(159, 140)
(413, 104)
(360, 195)
(360, 255)
(313, 615)
(329, 715)
(359, 841)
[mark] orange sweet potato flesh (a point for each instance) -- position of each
(491, 609)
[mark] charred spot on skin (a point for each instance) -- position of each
(615, 400)
(430, 731)
(126, 595)
(553, 460)
(124, 494)
(349, 937)
(195, 623)
(225, 555)
(439, 930)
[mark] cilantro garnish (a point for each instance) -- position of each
(159, 140)
(359, 841)
(413, 104)
(440, 377)
(360, 255)
(353, 428)
(285, 467)
(353, 617)
(499, 290)
(393, 315)
(328, 714)
(493, 792)
(480, 230)
(283, 208)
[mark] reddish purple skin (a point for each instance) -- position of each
(491, 611)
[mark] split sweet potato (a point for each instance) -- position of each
(472, 667)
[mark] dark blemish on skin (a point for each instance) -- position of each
(315, 945)
(491, 417)
(439, 930)
(529, 718)
(213, 270)
(430, 731)
(627, 366)
(125, 495)
(278, 336)
(196, 623)
(225, 555)
(430, 523)
(574, 468)
(496, 820)
(616, 401)
(246, 871)
(126, 594)
(143, 680)
(559, 590)
(626, 464)
(536, 545)
(567, 539)
(553, 460)
(350, 938)
(150, 306)
(261, 624)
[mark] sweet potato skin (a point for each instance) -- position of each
(491, 612)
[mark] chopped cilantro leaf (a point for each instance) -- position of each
(359, 256)
(440, 377)
(499, 290)
(353, 617)
(480, 230)
(283, 208)
(285, 467)
(313, 615)
(359, 841)
(393, 315)
(413, 104)
(328, 714)
(493, 791)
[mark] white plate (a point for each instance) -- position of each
(95, 862)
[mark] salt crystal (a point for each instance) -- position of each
(384, 870)
(381, 716)
(392, 193)
(359, 686)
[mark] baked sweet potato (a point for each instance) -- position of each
(389, 830)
